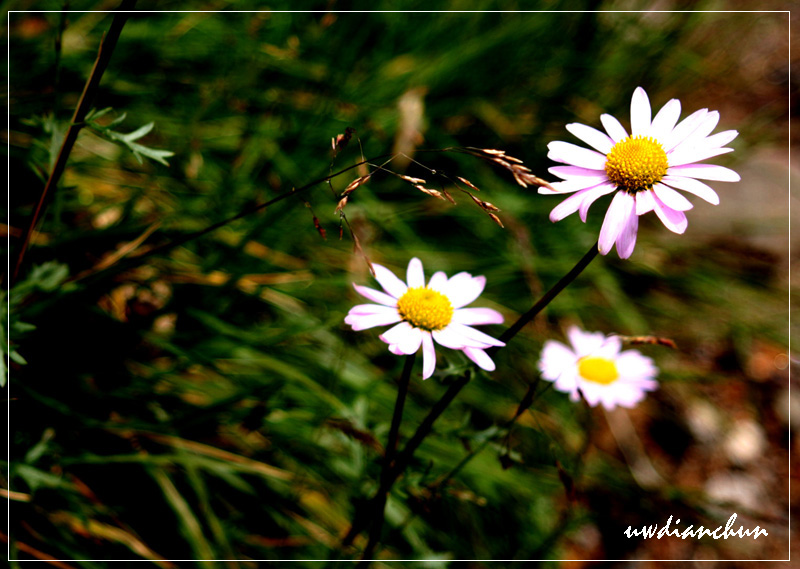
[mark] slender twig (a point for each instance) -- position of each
(84, 104)
(391, 446)
(514, 329)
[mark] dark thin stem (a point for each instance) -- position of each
(514, 329)
(405, 456)
(84, 104)
(391, 446)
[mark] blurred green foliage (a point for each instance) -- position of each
(209, 403)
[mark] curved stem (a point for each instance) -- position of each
(514, 329)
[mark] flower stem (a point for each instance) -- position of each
(379, 501)
(84, 104)
(514, 329)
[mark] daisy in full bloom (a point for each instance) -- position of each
(423, 313)
(595, 366)
(643, 168)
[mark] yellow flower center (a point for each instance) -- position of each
(598, 370)
(636, 163)
(425, 308)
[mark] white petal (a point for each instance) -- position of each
(665, 120)
(627, 237)
(591, 195)
(404, 337)
(477, 316)
(671, 198)
(363, 321)
(644, 202)
(395, 350)
(414, 275)
(575, 155)
(428, 356)
(720, 139)
(568, 206)
(481, 359)
(693, 186)
(613, 127)
(673, 220)
(438, 281)
(375, 296)
(567, 382)
(684, 129)
(585, 343)
(692, 155)
(368, 309)
(640, 113)
(450, 338)
(705, 172)
(576, 184)
(389, 281)
(616, 219)
(705, 128)
(476, 338)
(463, 288)
(600, 141)
(567, 172)
(555, 358)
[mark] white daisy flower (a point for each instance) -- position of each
(595, 366)
(643, 168)
(424, 313)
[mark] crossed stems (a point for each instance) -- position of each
(392, 469)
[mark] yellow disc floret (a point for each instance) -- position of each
(636, 163)
(598, 370)
(425, 308)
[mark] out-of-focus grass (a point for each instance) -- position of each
(210, 403)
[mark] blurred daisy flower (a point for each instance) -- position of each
(595, 366)
(643, 168)
(422, 314)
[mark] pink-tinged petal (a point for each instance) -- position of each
(567, 382)
(428, 356)
(375, 296)
(720, 139)
(665, 120)
(684, 129)
(584, 343)
(477, 316)
(389, 281)
(575, 155)
(600, 141)
(705, 172)
(671, 198)
(463, 288)
(450, 338)
(395, 350)
(614, 128)
(477, 338)
(644, 202)
(616, 219)
(576, 184)
(568, 206)
(640, 113)
(692, 155)
(438, 281)
(405, 337)
(627, 237)
(414, 275)
(591, 391)
(609, 348)
(591, 195)
(362, 322)
(368, 309)
(692, 186)
(672, 219)
(480, 358)
(556, 357)
(705, 128)
(567, 172)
